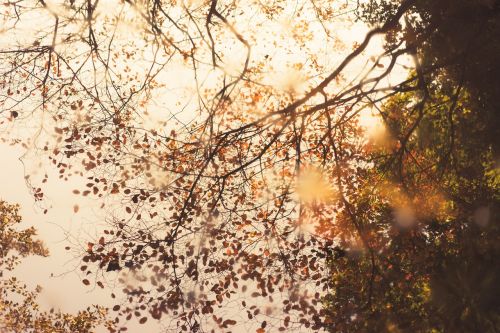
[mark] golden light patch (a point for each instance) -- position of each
(408, 209)
(375, 130)
(290, 81)
(314, 187)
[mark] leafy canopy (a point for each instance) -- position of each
(227, 144)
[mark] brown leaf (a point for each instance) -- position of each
(228, 322)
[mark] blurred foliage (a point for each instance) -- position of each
(438, 271)
(458, 42)
(19, 310)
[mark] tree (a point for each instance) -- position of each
(431, 216)
(456, 58)
(433, 203)
(19, 310)
(255, 191)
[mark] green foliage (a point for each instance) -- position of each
(16, 244)
(458, 43)
(438, 273)
(435, 269)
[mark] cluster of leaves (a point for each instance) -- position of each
(19, 310)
